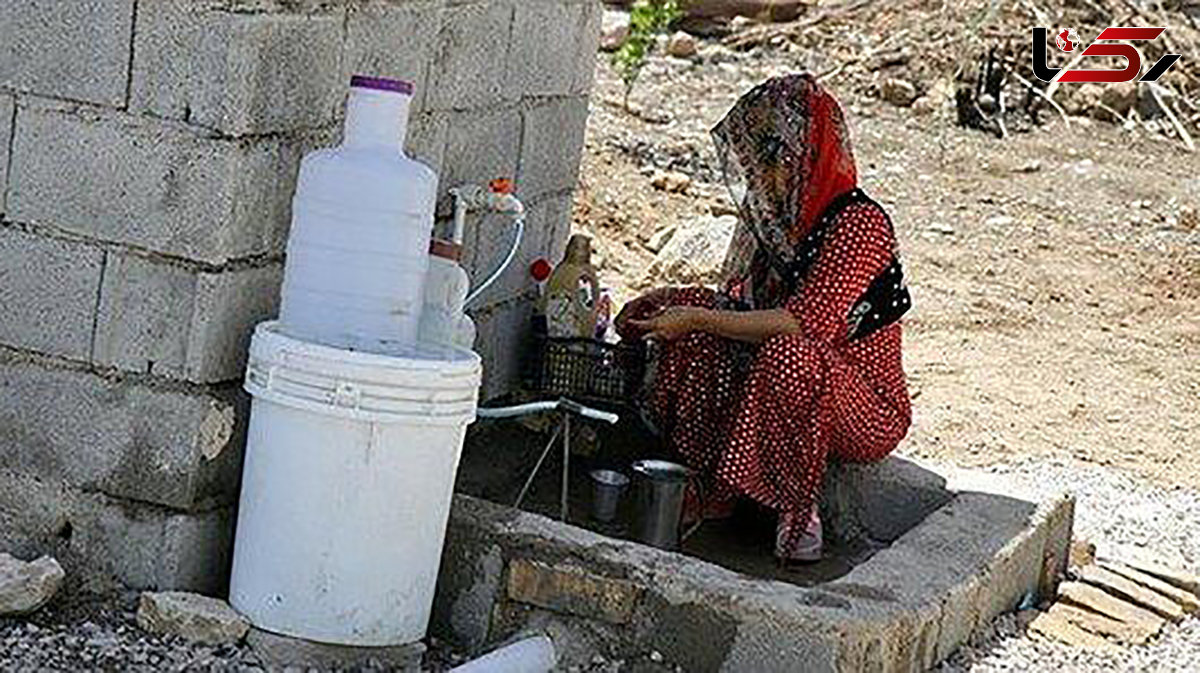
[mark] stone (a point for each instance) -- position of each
(1177, 577)
(1094, 622)
(283, 652)
(1097, 600)
(153, 185)
(682, 45)
(614, 35)
(1082, 553)
(192, 617)
(77, 50)
(7, 111)
(48, 289)
(237, 72)
(1120, 96)
(555, 44)
(925, 105)
(1131, 591)
(670, 181)
(471, 68)
(898, 92)
(1057, 627)
(26, 586)
(552, 140)
(572, 591)
(119, 435)
(660, 238)
(1189, 601)
(695, 252)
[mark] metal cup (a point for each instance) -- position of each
(660, 487)
(607, 488)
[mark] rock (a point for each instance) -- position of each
(1082, 553)
(27, 586)
(682, 45)
(1031, 166)
(614, 35)
(694, 254)
(1000, 221)
(671, 181)
(898, 92)
(924, 105)
(192, 616)
(1120, 96)
(660, 239)
(1082, 98)
(941, 228)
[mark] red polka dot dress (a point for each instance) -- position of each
(763, 420)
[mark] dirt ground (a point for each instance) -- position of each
(1055, 274)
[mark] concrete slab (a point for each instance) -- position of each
(904, 609)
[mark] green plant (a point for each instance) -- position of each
(647, 20)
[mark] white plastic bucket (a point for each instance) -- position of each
(349, 472)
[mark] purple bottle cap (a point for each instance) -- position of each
(381, 84)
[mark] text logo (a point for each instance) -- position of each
(1067, 40)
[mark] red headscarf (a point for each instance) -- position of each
(790, 124)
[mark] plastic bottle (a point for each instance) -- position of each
(357, 254)
(572, 292)
(446, 285)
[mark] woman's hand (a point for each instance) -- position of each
(672, 323)
(641, 309)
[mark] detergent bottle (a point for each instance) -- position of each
(572, 293)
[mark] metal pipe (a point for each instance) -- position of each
(539, 407)
(531, 655)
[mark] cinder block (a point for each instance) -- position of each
(151, 184)
(552, 144)
(385, 38)
(144, 316)
(503, 332)
(163, 319)
(554, 46)
(237, 72)
(118, 436)
(427, 139)
(471, 67)
(7, 112)
(547, 222)
(480, 146)
(77, 50)
(48, 292)
(105, 543)
(228, 306)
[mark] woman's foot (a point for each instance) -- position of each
(798, 546)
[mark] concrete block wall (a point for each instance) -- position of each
(148, 153)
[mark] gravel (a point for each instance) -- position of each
(1120, 515)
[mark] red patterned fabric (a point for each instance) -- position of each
(763, 420)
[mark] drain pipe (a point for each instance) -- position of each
(532, 655)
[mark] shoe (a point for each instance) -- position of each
(807, 546)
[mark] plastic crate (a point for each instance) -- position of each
(586, 369)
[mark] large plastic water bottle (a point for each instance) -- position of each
(362, 215)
